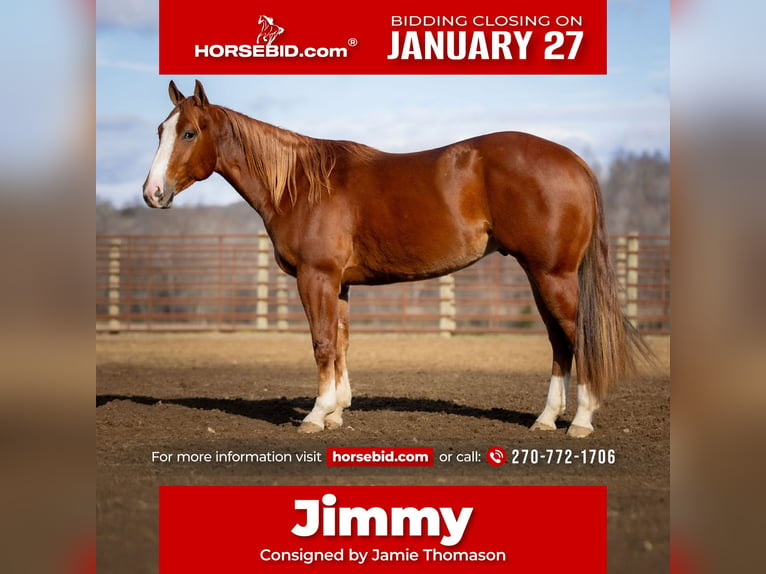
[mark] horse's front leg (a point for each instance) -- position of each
(319, 294)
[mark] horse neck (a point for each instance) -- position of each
(273, 168)
(234, 163)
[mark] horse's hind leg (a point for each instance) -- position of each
(342, 382)
(556, 296)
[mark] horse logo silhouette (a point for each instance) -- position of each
(269, 30)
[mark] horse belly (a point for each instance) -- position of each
(414, 255)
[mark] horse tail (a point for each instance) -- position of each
(608, 347)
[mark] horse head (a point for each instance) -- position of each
(186, 151)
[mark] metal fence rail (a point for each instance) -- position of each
(232, 283)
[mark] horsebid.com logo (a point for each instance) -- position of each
(265, 47)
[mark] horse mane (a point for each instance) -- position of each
(277, 157)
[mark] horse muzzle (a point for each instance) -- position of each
(157, 197)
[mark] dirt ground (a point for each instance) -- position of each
(249, 392)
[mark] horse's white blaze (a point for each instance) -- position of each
(586, 406)
(556, 403)
(156, 179)
(324, 404)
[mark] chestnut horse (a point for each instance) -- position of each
(341, 213)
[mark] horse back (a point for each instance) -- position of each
(399, 217)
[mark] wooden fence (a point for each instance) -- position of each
(231, 283)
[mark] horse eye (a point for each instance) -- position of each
(189, 135)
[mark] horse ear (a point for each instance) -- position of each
(199, 94)
(175, 94)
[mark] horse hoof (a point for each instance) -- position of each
(576, 431)
(538, 426)
(332, 425)
(309, 428)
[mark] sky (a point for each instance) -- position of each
(626, 110)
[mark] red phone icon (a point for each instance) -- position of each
(496, 456)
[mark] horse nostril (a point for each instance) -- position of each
(158, 193)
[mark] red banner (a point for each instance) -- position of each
(396, 37)
(372, 528)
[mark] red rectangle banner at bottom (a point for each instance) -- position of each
(363, 529)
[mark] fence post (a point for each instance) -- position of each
(282, 302)
(262, 290)
(219, 287)
(619, 268)
(114, 285)
(447, 321)
(631, 280)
